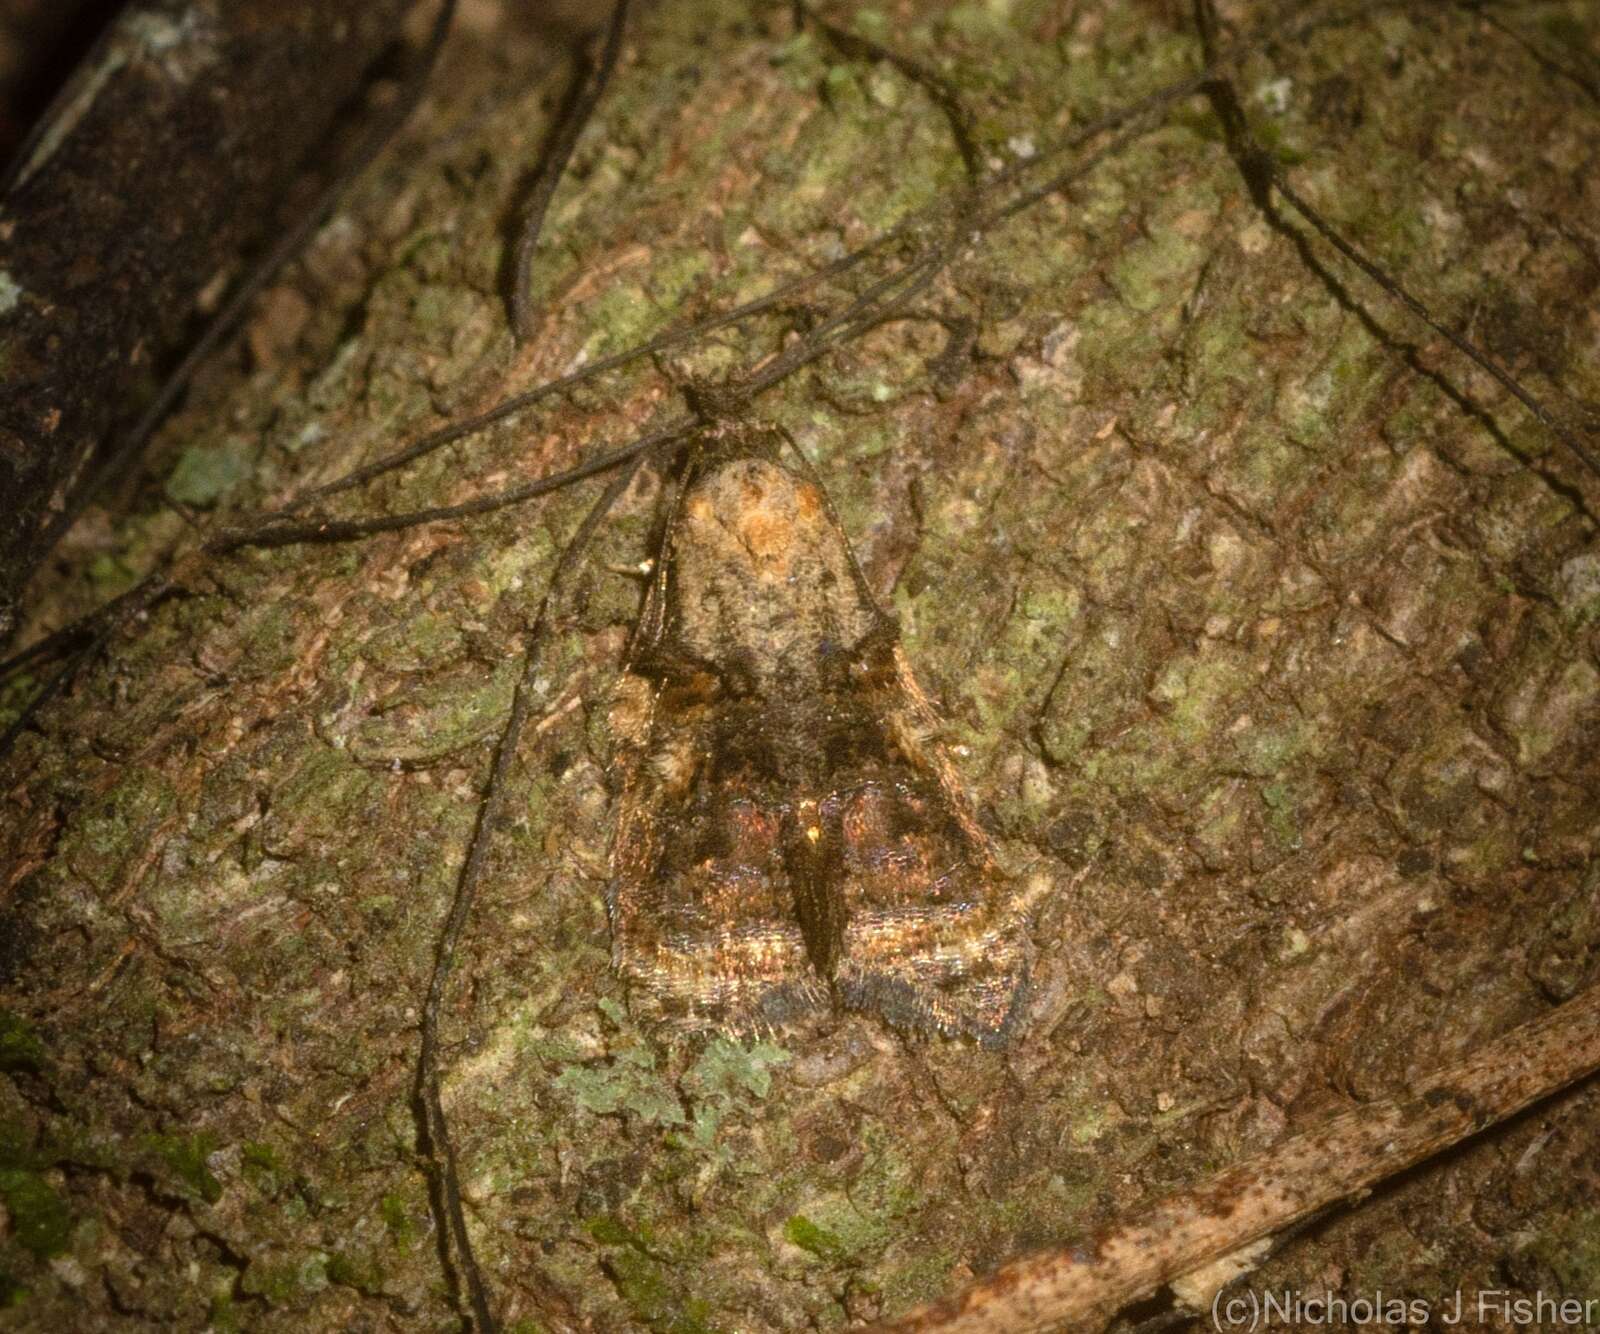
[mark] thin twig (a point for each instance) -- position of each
(908, 227)
(858, 46)
(119, 608)
(591, 85)
(1261, 170)
(435, 1130)
(54, 686)
(1540, 54)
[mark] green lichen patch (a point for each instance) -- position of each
(206, 473)
(654, 1300)
(185, 1159)
(416, 644)
(41, 1221)
(21, 1047)
(729, 1070)
(1569, 1249)
(400, 1219)
(628, 1082)
(361, 1270)
(820, 1241)
(286, 1278)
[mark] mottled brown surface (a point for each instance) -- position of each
(790, 836)
(1240, 597)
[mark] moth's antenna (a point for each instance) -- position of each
(457, 430)
(272, 533)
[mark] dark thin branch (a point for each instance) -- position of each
(1581, 79)
(1467, 348)
(54, 686)
(97, 627)
(941, 90)
(591, 84)
(435, 1130)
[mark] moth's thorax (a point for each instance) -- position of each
(761, 576)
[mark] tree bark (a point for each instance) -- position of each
(1245, 599)
(161, 164)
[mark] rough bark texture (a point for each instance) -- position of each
(1237, 592)
(1207, 1235)
(166, 159)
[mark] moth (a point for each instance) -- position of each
(790, 836)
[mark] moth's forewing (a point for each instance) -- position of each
(936, 936)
